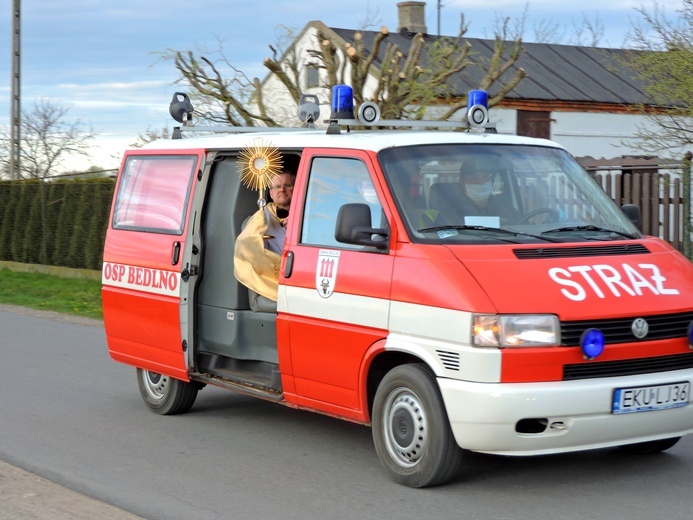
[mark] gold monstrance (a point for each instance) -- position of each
(258, 164)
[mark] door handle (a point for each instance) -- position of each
(175, 256)
(289, 264)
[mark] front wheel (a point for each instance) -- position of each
(166, 395)
(645, 448)
(411, 431)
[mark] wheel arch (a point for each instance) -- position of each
(381, 364)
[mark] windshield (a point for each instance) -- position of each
(499, 193)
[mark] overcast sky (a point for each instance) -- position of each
(96, 56)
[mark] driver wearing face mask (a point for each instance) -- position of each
(477, 178)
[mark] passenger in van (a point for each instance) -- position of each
(478, 193)
(259, 246)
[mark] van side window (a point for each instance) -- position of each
(153, 193)
(333, 182)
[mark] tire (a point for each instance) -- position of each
(411, 432)
(166, 395)
(645, 448)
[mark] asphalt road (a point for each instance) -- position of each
(74, 418)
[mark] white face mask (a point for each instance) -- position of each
(479, 193)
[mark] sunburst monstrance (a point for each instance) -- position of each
(258, 163)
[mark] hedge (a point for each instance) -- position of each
(60, 223)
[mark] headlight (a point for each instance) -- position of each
(516, 330)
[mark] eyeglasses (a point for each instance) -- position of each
(479, 175)
(287, 186)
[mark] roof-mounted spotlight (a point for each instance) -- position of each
(181, 108)
(369, 113)
(308, 109)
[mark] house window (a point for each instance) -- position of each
(534, 124)
(312, 76)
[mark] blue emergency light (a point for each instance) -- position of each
(342, 102)
(690, 335)
(477, 108)
(592, 343)
(477, 97)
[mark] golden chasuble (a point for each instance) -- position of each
(255, 266)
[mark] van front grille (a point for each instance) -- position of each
(618, 330)
(627, 367)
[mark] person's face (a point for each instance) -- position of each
(479, 176)
(477, 185)
(282, 189)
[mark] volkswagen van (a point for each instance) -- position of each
(549, 325)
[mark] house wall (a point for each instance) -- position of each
(584, 134)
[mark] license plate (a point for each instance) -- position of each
(650, 398)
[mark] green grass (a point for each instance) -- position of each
(75, 296)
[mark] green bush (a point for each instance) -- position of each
(66, 223)
(27, 192)
(96, 234)
(5, 211)
(32, 244)
(54, 201)
(55, 223)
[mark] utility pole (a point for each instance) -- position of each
(439, 6)
(16, 93)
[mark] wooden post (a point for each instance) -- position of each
(686, 174)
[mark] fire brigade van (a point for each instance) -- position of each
(539, 323)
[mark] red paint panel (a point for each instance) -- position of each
(327, 358)
(432, 275)
(546, 364)
(153, 339)
(578, 288)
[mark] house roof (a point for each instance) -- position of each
(556, 74)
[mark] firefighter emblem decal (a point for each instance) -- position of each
(326, 272)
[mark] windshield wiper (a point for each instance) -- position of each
(485, 228)
(589, 227)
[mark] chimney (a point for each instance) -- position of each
(411, 17)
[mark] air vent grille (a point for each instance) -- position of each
(572, 252)
(450, 360)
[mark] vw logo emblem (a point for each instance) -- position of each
(640, 328)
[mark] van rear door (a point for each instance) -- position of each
(142, 283)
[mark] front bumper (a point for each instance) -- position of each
(484, 416)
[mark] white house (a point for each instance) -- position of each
(577, 96)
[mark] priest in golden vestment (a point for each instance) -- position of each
(259, 246)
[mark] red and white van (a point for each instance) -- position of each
(559, 328)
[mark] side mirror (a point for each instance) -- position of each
(633, 213)
(354, 227)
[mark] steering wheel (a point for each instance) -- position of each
(553, 215)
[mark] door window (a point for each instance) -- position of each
(153, 193)
(333, 182)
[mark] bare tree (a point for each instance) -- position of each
(48, 139)
(663, 61)
(151, 135)
(589, 32)
(406, 82)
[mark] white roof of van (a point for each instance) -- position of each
(375, 140)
